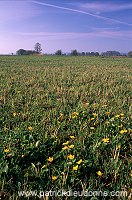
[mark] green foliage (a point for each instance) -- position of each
(65, 124)
(58, 52)
(111, 53)
(74, 53)
(21, 52)
(130, 53)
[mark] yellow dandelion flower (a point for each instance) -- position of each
(125, 131)
(71, 146)
(117, 116)
(54, 178)
(122, 131)
(70, 156)
(66, 143)
(14, 114)
(61, 114)
(64, 148)
(122, 115)
(99, 173)
(75, 115)
(72, 136)
(91, 118)
(30, 128)
(6, 150)
(79, 162)
(95, 115)
(92, 128)
(118, 147)
(75, 168)
(50, 159)
(131, 173)
(22, 155)
(105, 140)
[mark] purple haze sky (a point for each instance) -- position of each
(85, 25)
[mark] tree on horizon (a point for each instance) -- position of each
(38, 48)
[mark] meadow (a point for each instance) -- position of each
(65, 125)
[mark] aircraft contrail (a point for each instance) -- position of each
(82, 12)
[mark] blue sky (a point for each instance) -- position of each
(85, 25)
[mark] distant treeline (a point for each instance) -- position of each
(75, 53)
(25, 52)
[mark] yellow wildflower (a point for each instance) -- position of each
(54, 178)
(131, 173)
(122, 131)
(95, 115)
(22, 155)
(122, 115)
(70, 156)
(125, 131)
(99, 173)
(64, 148)
(61, 114)
(6, 150)
(75, 115)
(14, 114)
(117, 116)
(30, 128)
(91, 118)
(43, 166)
(75, 168)
(105, 140)
(71, 146)
(72, 136)
(91, 128)
(79, 162)
(65, 143)
(50, 159)
(118, 147)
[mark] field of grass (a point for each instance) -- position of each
(65, 125)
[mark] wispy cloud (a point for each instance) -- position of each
(105, 7)
(83, 12)
(73, 35)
